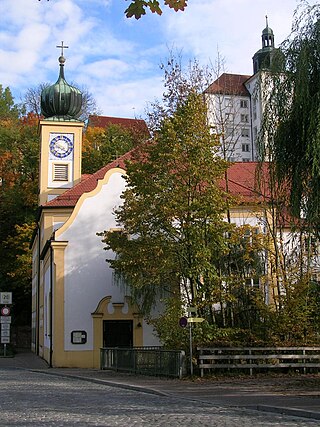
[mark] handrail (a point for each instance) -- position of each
(143, 360)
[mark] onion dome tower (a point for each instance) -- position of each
(263, 58)
(61, 137)
(61, 101)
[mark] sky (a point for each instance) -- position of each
(118, 59)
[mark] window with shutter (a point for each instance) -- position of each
(60, 172)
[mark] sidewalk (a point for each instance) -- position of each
(292, 395)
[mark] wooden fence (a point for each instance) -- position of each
(258, 358)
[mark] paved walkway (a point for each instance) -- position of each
(292, 395)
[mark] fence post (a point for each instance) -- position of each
(250, 361)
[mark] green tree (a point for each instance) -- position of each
(18, 267)
(291, 128)
(174, 208)
(19, 151)
(102, 146)
(8, 108)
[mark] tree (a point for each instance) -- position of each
(18, 267)
(291, 121)
(8, 109)
(174, 208)
(102, 146)
(137, 8)
(19, 148)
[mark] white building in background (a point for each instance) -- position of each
(235, 103)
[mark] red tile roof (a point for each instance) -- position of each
(135, 125)
(229, 84)
(241, 183)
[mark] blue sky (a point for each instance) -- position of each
(117, 59)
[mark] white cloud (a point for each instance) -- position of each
(232, 27)
(118, 59)
(105, 69)
(127, 99)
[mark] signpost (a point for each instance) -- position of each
(184, 321)
(5, 319)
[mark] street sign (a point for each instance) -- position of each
(191, 310)
(5, 319)
(183, 321)
(195, 319)
(5, 340)
(5, 297)
(5, 326)
(5, 333)
(5, 311)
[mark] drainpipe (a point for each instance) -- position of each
(50, 305)
(38, 296)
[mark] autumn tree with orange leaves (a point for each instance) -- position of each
(19, 151)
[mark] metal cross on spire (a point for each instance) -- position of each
(62, 47)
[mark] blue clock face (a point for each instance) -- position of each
(61, 146)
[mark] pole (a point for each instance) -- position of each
(5, 350)
(190, 336)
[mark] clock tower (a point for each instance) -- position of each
(61, 137)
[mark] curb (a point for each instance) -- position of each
(104, 382)
(301, 413)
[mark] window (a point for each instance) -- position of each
(229, 117)
(245, 118)
(254, 110)
(243, 103)
(253, 282)
(246, 148)
(60, 172)
(229, 132)
(245, 160)
(228, 102)
(245, 133)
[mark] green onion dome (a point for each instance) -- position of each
(61, 101)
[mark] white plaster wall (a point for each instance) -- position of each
(88, 277)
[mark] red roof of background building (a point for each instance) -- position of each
(135, 125)
(241, 183)
(229, 84)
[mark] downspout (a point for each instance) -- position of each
(253, 156)
(50, 305)
(38, 296)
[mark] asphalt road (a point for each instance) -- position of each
(38, 399)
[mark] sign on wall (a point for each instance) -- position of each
(5, 297)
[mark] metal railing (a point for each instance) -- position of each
(258, 358)
(144, 360)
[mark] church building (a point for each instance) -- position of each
(77, 305)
